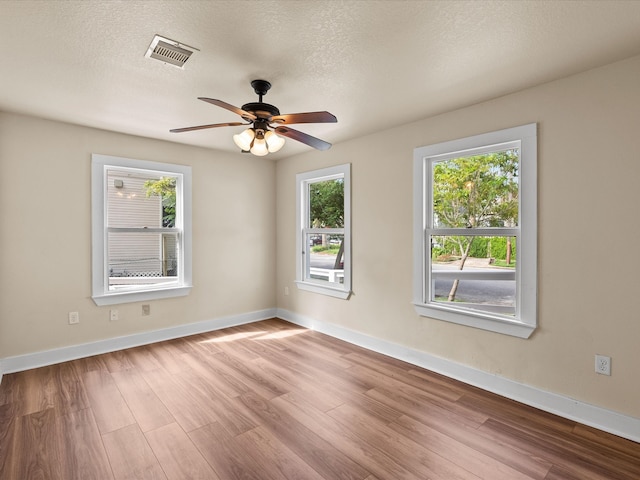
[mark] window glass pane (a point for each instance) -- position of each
(325, 258)
(474, 272)
(491, 296)
(496, 252)
(476, 191)
(326, 204)
(142, 259)
(140, 199)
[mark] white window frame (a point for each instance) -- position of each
(100, 271)
(525, 320)
(303, 180)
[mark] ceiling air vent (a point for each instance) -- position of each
(169, 51)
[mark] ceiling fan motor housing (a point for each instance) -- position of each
(261, 110)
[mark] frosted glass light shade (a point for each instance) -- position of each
(259, 147)
(244, 139)
(274, 142)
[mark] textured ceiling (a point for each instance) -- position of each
(373, 64)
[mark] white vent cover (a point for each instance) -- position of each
(169, 51)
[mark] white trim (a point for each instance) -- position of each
(100, 293)
(64, 354)
(302, 213)
(597, 417)
(591, 415)
(323, 289)
(479, 319)
(584, 413)
(118, 297)
(525, 320)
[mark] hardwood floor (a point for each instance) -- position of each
(271, 400)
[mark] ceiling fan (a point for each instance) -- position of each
(263, 137)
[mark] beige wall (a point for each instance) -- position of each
(589, 165)
(589, 172)
(45, 235)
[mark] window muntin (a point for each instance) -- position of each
(484, 185)
(141, 230)
(323, 262)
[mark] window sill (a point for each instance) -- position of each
(116, 298)
(513, 328)
(324, 290)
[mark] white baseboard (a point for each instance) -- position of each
(597, 417)
(64, 354)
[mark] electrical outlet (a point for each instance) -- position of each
(146, 310)
(603, 365)
(113, 315)
(74, 317)
(286, 290)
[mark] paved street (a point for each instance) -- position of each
(497, 292)
(322, 261)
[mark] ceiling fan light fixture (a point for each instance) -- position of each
(274, 142)
(260, 138)
(244, 139)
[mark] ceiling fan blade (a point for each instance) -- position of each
(202, 127)
(309, 117)
(244, 114)
(303, 137)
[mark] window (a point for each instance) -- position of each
(141, 230)
(475, 231)
(323, 261)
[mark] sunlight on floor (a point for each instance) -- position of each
(256, 335)
(281, 334)
(232, 337)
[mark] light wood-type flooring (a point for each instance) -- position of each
(271, 400)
